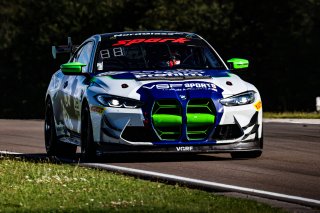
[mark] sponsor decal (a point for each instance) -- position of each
(258, 105)
(183, 97)
(184, 148)
(148, 34)
(183, 86)
(203, 85)
(164, 74)
(129, 42)
(97, 109)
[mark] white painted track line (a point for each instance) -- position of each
(206, 184)
(292, 120)
(9, 153)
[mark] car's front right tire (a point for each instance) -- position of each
(88, 146)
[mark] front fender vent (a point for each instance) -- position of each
(227, 132)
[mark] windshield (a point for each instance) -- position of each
(149, 53)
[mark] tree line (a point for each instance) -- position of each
(280, 39)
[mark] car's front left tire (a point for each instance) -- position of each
(54, 147)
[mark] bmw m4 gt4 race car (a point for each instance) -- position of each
(154, 91)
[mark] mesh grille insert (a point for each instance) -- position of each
(167, 119)
(200, 118)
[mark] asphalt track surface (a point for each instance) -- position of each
(289, 165)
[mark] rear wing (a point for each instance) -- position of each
(70, 48)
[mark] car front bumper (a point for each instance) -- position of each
(125, 130)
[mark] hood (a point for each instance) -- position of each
(127, 83)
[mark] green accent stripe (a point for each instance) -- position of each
(197, 119)
(165, 120)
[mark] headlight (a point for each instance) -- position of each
(240, 99)
(115, 101)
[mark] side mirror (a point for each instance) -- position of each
(238, 63)
(72, 68)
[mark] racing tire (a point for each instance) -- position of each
(88, 146)
(54, 147)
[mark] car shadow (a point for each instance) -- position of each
(159, 157)
(123, 158)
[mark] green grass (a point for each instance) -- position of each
(307, 115)
(46, 187)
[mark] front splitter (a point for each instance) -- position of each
(255, 145)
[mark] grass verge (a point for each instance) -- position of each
(46, 187)
(302, 115)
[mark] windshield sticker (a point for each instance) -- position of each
(148, 34)
(116, 52)
(105, 54)
(150, 40)
(100, 66)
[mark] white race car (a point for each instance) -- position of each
(152, 91)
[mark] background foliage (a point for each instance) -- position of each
(280, 38)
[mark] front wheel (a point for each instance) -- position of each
(88, 147)
(49, 131)
(54, 147)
